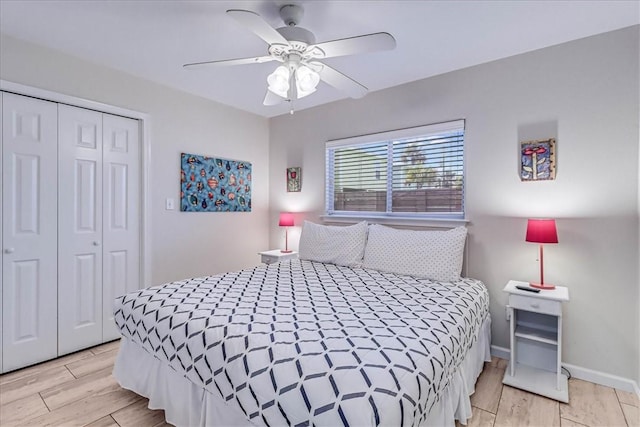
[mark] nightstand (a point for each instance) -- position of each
(535, 333)
(269, 257)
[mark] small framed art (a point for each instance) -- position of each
(294, 179)
(538, 160)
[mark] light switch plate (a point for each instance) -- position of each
(169, 204)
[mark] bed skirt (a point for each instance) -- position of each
(187, 405)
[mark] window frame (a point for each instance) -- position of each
(415, 218)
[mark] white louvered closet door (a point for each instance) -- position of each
(121, 214)
(29, 229)
(80, 229)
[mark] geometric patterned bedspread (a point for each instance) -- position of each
(306, 343)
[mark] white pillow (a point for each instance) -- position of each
(435, 255)
(335, 245)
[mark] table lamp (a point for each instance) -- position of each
(286, 221)
(542, 231)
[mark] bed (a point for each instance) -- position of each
(308, 342)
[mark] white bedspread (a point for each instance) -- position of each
(306, 343)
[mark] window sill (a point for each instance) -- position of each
(396, 220)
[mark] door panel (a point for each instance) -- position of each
(25, 275)
(26, 212)
(1, 226)
(80, 237)
(117, 196)
(29, 231)
(84, 289)
(85, 197)
(121, 160)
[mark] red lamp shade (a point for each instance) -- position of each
(542, 231)
(286, 219)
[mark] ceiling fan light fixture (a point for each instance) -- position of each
(279, 81)
(306, 81)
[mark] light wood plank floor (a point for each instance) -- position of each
(78, 390)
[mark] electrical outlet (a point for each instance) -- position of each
(507, 313)
(169, 204)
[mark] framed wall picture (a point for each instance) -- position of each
(214, 184)
(538, 160)
(294, 179)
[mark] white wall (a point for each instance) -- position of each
(183, 244)
(584, 93)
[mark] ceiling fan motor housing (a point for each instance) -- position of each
(299, 40)
(297, 34)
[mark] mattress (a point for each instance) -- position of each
(304, 343)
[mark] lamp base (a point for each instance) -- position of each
(284, 251)
(543, 286)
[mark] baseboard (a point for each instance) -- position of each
(501, 352)
(596, 377)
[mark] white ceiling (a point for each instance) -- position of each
(152, 39)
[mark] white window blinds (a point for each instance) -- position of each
(416, 172)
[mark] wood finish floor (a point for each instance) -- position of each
(589, 404)
(78, 390)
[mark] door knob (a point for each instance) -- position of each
(9, 250)
(96, 243)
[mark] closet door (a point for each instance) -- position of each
(1, 226)
(80, 229)
(29, 231)
(121, 216)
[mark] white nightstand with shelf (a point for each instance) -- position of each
(536, 341)
(276, 255)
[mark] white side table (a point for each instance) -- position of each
(536, 341)
(269, 257)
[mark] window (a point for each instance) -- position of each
(410, 172)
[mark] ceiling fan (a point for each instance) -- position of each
(299, 54)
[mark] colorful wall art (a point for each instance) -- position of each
(294, 179)
(213, 184)
(538, 160)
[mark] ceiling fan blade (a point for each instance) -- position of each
(227, 62)
(352, 45)
(338, 80)
(271, 98)
(259, 26)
